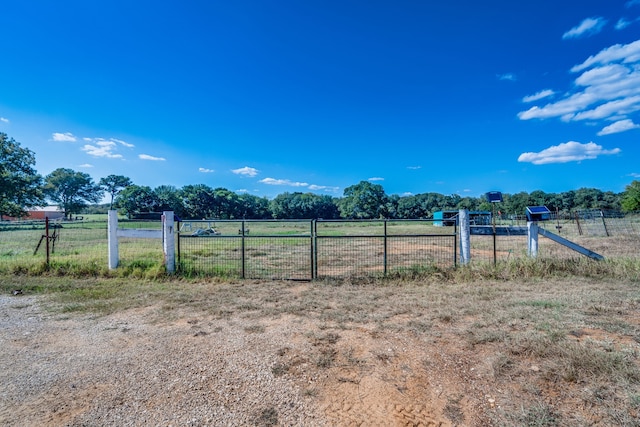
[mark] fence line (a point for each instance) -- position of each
(301, 249)
(311, 249)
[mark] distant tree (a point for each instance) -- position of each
(197, 201)
(20, 185)
(71, 190)
(303, 206)
(363, 200)
(167, 198)
(225, 204)
(254, 207)
(113, 184)
(631, 197)
(135, 199)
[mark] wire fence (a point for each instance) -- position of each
(304, 249)
(82, 244)
(311, 249)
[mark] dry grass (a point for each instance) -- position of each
(559, 341)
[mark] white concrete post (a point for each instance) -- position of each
(112, 239)
(465, 236)
(168, 241)
(532, 237)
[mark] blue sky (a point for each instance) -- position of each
(272, 96)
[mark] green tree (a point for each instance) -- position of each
(225, 204)
(364, 201)
(303, 206)
(631, 197)
(135, 199)
(197, 201)
(71, 190)
(167, 198)
(20, 185)
(254, 207)
(113, 184)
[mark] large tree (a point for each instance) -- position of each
(364, 201)
(20, 185)
(136, 199)
(113, 184)
(631, 197)
(71, 190)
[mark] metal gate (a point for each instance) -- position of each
(312, 249)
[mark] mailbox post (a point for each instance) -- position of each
(535, 214)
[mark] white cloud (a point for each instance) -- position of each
(587, 27)
(607, 88)
(626, 53)
(414, 167)
(63, 137)
(619, 126)
(546, 93)
(568, 152)
(273, 181)
(4, 120)
(375, 178)
(247, 171)
(124, 143)
(634, 175)
(622, 24)
(153, 158)
(85, 165)
(102, 149)
(327, 188)
(205, 170)
(507, 76)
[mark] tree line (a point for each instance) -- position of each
(21, 188)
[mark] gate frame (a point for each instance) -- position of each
(167, 234)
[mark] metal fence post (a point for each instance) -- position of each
(46, 233)
(312, 244)
(243, 250)
(385, 248)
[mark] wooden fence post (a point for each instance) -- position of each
(112, 239)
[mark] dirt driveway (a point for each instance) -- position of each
(308, 354)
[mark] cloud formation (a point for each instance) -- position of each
(546, 93)
(327, 188)
(587, 27)
(507, 76)
(102, 148)
(152, 158)
(4, 120)
(205, 170)
(376, 178)
(607, 89)
(63, 137)
(619, 126)
(571, 151)
(246, 171)
(273, 181)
